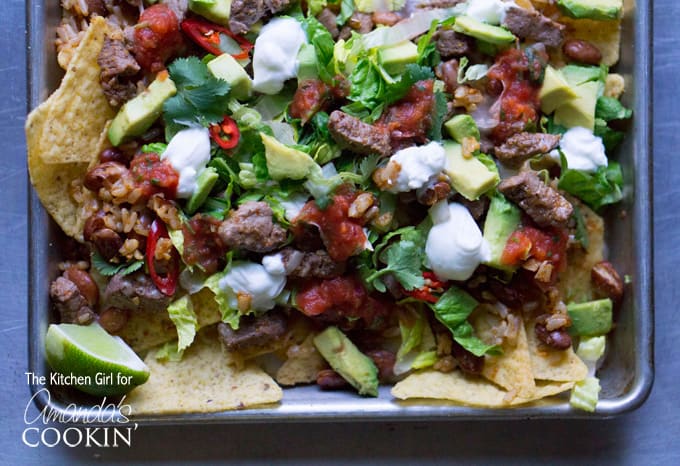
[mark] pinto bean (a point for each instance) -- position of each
(582, 51)
(557, 339)
(114, 155)
(113, 319)
(384, 360)
(103, 174)
(386, 18)
(328, 379)
(107, 242)
(467, 361)
(85, 284)
(607, 280)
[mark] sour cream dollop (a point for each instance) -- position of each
(488, 11)
(583, 150)
(417, 165)
(275, 56)
(188, 153)
(263, 282)
(455, 246)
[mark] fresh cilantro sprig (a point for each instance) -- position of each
(403, 260)
(108, 269)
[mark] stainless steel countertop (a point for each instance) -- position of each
(647, 436)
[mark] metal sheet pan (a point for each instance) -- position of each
(628, 370)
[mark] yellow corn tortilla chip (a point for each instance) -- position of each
(554, 365)
(147, 329)
(614, 85)
(512, 369)
(467, 390)
(605, 35)
(204, 381)
(78, 109)
(303, 364)
(574, 282)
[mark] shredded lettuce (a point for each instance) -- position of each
(154, 147)
(169, 352)
(472, 73)
(585, 394)
(595, 189)
(181, 312)
(417, 342)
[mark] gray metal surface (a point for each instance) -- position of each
(626, 375)
(646, 436)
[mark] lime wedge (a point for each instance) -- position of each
(91, 360)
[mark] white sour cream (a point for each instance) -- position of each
(188, 153)
(583, 150)
(275, 56)
(418, 164)
(488, 11)
(455, 246)
(263, 282)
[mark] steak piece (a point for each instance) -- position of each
(542, 203)
(179, 7)
(328, 19)
(359, 137)
(255, 335)
(251, 227)
(359, 22)
(533, 25)
(69, 301)
(135, 292)
(119, 70)
(245, 13)
(521, 147)
(451, 44)
(317, 264)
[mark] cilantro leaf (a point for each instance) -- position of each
(439, 114)
(610, 137)
(427, 49)
(404, 261)
(609, 108)
(108, 269)
(595, 189)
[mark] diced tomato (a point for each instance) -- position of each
(157, 37)
(411, 117)
(154, 176)
(543, 245)
(202, 243)
(310, 97)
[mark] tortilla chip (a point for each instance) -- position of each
(574, 282)
(204, 381)
(554, 365)
(605, 35)
(512, 369)
(467, 390)
(303, 364)
(147, 329)
(614, 85)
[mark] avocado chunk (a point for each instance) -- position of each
(555, 90)
(395, 57)
(469, 176)
(226, 67)
(345, 359)
(138, 114)
(581, 110)
(590, 318)
(502, 220)
(484, 32)
(591, 9)
(461, 127)
(307, 63)
(204, 184)
(576, 75)
(286, 162)
(216, 11)
(369, 6)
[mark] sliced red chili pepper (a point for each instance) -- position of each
(207, 35)
(422, 294)
(225, 134)
(166, 284)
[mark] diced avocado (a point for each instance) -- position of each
(216, 11)
(204, 184)
(581, 110)
(395, 57)
(482, 31)
(462, 126)
(138, 114)
(590, 318)
(591, 9)
(502, 220)
(227, 68)
(345, 359)
(369, 6)
(286, 162)
(307, 63)
(576, 75)
(469, 176)
(555, 90)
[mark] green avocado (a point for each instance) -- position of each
(286, 162)
(369, 6)
(576, 74)
(462, 126)
(591, 9)
(581, 110)
(204, 184)
(502, 220)
(470, 177)
(555, 90)
(227, 68)
(307, 63)
(216, 11)
(395, 57)
(345, 359)
(138, 114)
(590, 318)
(482, 31)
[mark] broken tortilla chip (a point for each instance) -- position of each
(303, 364)
(203, 381)
(605, 35)
(548, 364)
(147, 329)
